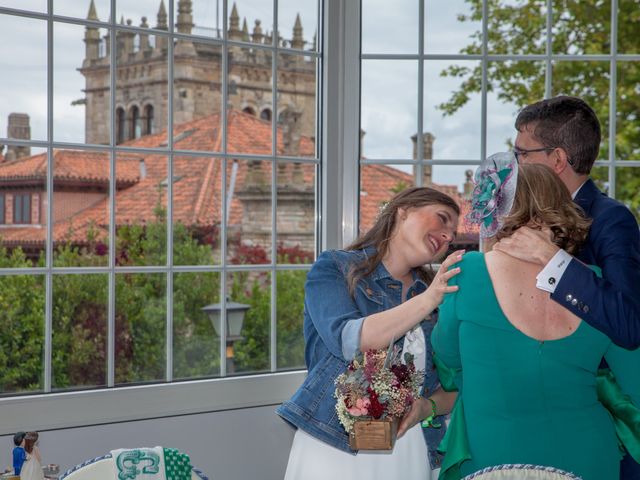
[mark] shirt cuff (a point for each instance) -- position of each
(351, 338)
(551, 274)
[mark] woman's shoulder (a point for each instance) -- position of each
(337, 260)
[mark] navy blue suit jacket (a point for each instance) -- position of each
(610, 304)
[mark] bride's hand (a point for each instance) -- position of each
(439, 286)
(421, 408)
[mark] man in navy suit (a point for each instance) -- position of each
(564, 133)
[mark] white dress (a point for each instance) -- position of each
(31, 468)
(312, 459)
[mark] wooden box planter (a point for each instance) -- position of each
(371, 434)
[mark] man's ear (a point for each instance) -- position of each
(560, 160)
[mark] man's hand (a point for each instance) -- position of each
(534, 246)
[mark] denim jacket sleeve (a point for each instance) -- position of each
(330, 307)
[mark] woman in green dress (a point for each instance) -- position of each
(525, 367)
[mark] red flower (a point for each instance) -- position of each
(401, 372)
(376, 409)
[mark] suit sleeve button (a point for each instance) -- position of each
(569, 297)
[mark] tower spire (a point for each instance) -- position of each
(234, 24)
(92, 15)
(162, 17)
(297, 41)
(92, 36)
(245, 31)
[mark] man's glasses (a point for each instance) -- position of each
(521, 153)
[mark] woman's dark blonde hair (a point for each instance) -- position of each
(542, 200)
(380, 234)
(30, 440)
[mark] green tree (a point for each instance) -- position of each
(518, 28)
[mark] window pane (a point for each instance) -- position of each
(249, 127)
(140, 85)
(515, 27)
(250, 218)
(197, 96)
(23, 307)
(196, 348)
(290, 315)
(151, 13)
(589, 81)
(451, 27)
(81, 208)
(296, 105)
(628, 23)
(389, 107)
(140, 327)
(79, 331)
(141, 209)
(453, 119)
(256, 13)
(600, 176)
(298, 23)
(100, 11)
(383, 20)
(628, 188)
(198, 17)
(33, 5)
(23, 83)
(628, 109)
(581, 27)
(251, 352)
(197, 210)
(295, 210)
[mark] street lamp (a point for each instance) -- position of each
(235, 319)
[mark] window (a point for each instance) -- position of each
(22, 208)
(437, 97)
(2, 209)
(148, 248)
(265, 114)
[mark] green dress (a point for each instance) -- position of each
(523, 400)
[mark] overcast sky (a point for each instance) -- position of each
(389, 87)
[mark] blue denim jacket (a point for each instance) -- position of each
(332, 322)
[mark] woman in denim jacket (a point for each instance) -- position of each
(360, 299)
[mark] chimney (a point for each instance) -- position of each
(18, 129)
(427, 154)
(291, 131)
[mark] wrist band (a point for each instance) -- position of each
(430, 420)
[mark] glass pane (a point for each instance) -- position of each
(197, 96)
(589, 81)
(452, 120)
(257, 15)
(81, 208)
(198, 17)
(140, 327)
(33, 5)
(141, 91)
(81, 92)
(141, 209)
(378, 183)
(452, 27)
(628, 188)
(197, 210)
(628, 23)
(513, 85)
(628, 109)
(600, 176)
(296, 105)
(23, 83)
(383, 20)
(196, 348)
(98, 12)
(515, 27)
(298, 23)
(23, 203)
(581, 27)
(249, 127)
(79, 331)
(290, 317)
(22, 332)
(250, 352)
(146, 13)
(296, 212)
(389, 107)
(249, 219)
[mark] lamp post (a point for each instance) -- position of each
(235, 319)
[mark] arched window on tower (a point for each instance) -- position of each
(249, 110)
(265, 114)
(136, 123)
(120, 125)
(148, 120)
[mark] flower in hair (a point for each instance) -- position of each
(495, 187)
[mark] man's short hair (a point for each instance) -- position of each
(18, 437)
(568, 123)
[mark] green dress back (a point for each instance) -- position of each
(523, 400)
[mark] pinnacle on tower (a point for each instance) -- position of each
(92, 15)
(162, 17)
(185, 18)
(297, 41)
(234, 24)
(257, 35)
(92, 36)
(245, 31)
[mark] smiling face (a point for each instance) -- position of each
(423, 234)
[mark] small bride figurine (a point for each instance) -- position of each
(32, 467)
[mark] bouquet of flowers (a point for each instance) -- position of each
(377, 386)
